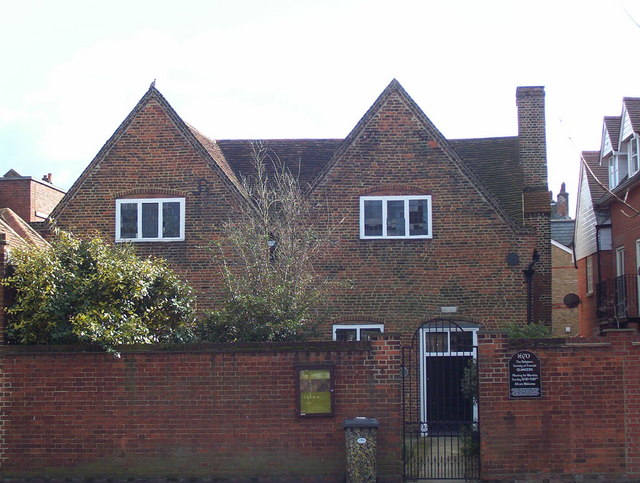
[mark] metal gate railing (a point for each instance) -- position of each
(441, 431)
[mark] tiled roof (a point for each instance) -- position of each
(562, 231)
(612, 124)
(592, 159)
(495, 162)
(18, 231)
(214, 151)
(304, 158)
(633, 108)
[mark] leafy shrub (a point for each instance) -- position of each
(90, 291)
(536, 330)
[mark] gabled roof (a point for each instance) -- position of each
(394, 87)
(610, 134)
(592, 158)
(632, 106)
(18, 231)
(200, 143)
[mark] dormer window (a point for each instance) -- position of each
(618, 167)
(150, 219)
(634, 155)
(395, 217)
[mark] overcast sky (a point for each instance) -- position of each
(73, 69)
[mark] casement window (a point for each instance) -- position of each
(356, 332)
(618, 167)
(589, 275)
(150, 219)
(634, 155)
(395, 217)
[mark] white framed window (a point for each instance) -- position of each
(150, 219)
(356, 332)
(634, 155)
(395, 217)
(618, 167)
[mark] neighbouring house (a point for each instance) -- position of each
(30, 198)
(607, 240)
(420, 225)
(564, 283)
(23, 201)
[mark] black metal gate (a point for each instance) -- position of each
(440, 402)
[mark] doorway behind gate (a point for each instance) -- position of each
(440, 404)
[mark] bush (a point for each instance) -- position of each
(536, 330)
(89, 291)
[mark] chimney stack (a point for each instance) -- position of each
(47, 178)
(532, 137)
(562, 205)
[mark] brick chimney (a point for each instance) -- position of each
(536, 198)
(532, 137)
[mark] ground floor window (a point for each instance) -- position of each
(356, 331)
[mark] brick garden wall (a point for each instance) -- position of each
(585, 425)
(215, 411)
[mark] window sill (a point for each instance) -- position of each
(417, 237)
(149, 240)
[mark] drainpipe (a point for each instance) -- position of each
(528, 275)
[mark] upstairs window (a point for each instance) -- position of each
(634, 155)
(152, 219)
(395, 217)
(618, 167)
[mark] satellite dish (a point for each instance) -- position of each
(571, 300)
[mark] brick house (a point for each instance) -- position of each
(433, 238)
(30, 198)
(473, 203)
(607, 240)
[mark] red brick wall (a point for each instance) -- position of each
(16, 194)
(586, 423)
(220, 411)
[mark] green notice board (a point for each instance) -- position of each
(315, 394)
